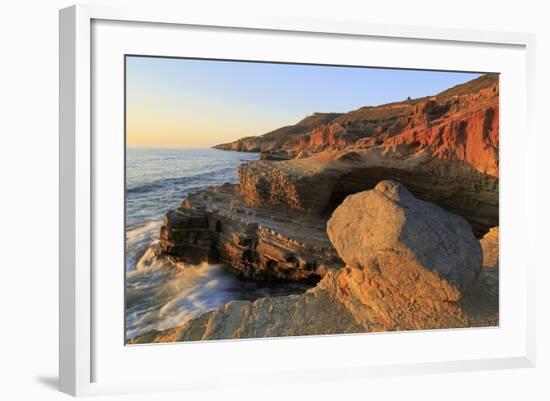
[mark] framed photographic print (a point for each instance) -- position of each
(240, 194)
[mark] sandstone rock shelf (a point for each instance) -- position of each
(257, 242)
(318, 184)
(371, 292)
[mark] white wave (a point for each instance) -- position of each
(161, 294)
(142, 232)
(164, 294)
(139, 240)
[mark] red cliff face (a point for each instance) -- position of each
(459, 124)
(330, 136)
(462, 128)
(443, 148)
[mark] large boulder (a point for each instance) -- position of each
(409, 244)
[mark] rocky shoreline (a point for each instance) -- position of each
(404, 279)
(256, 242)
(391, 212)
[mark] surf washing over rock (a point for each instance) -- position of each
(162, 293)
(385, 218)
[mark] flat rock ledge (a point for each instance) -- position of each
(320, 183)
(451, 289)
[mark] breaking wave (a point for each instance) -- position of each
(161, 294)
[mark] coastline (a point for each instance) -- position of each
(429, 166)
(325, 309)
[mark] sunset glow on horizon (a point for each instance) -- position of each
(173, 102)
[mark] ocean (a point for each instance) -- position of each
(161, 294)
(158, 179)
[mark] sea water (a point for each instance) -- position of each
(158, 179)
(161, 294)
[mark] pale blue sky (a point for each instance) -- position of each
(181, 102)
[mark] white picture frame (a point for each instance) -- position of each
(79, 343)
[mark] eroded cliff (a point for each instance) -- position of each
(443, 148)
(460, 123)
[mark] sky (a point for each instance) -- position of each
(172, 102)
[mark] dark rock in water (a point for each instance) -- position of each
(187, 236)
(267, 243)
(412, 245)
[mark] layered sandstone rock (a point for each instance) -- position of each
(462, 128)
(369, 294)
(318, 184)
(262, 242)
(443, 148)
